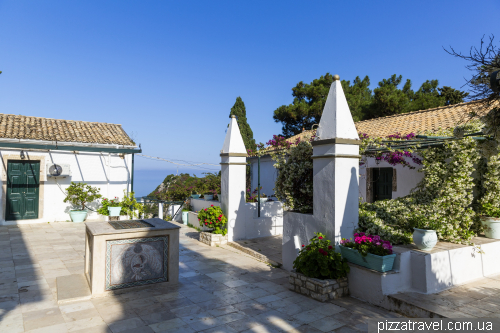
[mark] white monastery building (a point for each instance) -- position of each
(378, 179)
(41, 157)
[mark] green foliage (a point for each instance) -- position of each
(105, 203)
(212, 217)
(319, 260)
(490, 211)
(79, 194)
(490, 200)
(130, 205)
(180, 187)
(294, 184)
(419, 221)
(240, 112)
(359, 97)
(307, 107)
(452, 96)
(385, 100)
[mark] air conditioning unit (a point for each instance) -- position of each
(58, 170)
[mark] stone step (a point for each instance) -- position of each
(415, 305)
(255, 254)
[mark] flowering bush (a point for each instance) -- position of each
(212, 217)
(444, 197)
(365, 244)
(319, 260)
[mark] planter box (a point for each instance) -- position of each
(212, 239)
(320, 290)
(371, 261)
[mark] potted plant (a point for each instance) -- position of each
(263, 198)
(320, 272)
(490, 220)
(424, 232)
(369, 251)
(213, 218)
(114, 207)
(208, 196)
(111, 207)
(320, 261)
(80, 194)
(194, 195)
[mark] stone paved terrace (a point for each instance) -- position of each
(220, 290)
(478, 299)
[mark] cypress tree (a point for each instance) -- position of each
(240, 112)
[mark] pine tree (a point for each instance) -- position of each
(240, 112)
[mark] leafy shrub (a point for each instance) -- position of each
(365, 244)
(319, 260)
(79, 194)
(130, 205)
(212, 217)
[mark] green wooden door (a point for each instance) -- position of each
(382, 183)
(23, 182)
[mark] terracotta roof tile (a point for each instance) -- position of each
(417, 121)
(424, 120)
(37, 128)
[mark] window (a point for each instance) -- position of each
(381, 183)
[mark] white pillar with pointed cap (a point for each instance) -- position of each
(336, 167)
(233, 179)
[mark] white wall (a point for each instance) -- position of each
(407, 178)
(268, 174)
(247, 224)
(109, 172)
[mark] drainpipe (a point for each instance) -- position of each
(132, 176)
(258, 186)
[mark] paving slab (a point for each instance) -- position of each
(479, 299)
(72, 288)
(221, 289)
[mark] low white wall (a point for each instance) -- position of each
(199, 204)
(407, 179)
(427, 273)
(248, 225)
(298, 229)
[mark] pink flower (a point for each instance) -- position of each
(211, 205)
(320, 237)
(205, 209)
(330, 247)
(302, 245)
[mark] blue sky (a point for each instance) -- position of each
(169, 71)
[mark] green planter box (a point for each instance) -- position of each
(371, 261)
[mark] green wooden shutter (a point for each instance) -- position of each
(382, 183)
